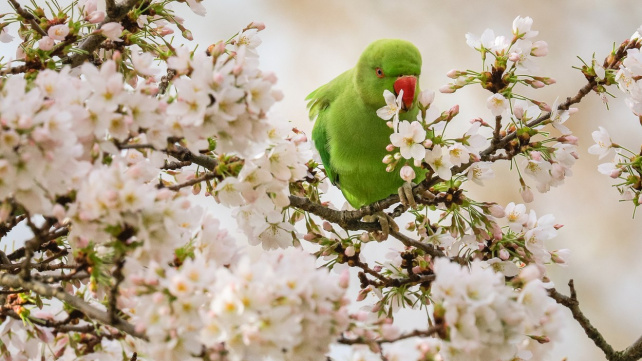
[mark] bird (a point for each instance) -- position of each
(349, 135)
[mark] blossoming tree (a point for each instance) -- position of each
(108, 133)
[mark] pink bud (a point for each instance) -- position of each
(514, 57)
(558, 226)
(539, 48)
(537, 84)
(46, 43)
(535, 155)
(497, 211)
(453, 73)
(453, 111)
(416, 269)
(390, 147)
(387, 159)
(350, 251)
(257, 25)
(363, 294)
(309, 236)
(568, 139)
(447, 89)
(327, 226)
(527, 194)
(548, 81)
(96, 17)
(427, 143)
(561, 256)
(503, 254)
(364, 237)
(407, 173)
(187, 35)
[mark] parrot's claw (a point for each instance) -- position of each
(406, 197)
(385, 221)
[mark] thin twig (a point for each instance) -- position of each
(27, 16)
(416, 333)
(573, 305)
(13, 281)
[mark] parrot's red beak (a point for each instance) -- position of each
(406, 83)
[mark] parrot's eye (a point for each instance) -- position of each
(379, 72)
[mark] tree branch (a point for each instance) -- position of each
(573, 305)
(13, 281)
(115, 13)
(27, 16)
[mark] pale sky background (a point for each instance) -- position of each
(307, 43)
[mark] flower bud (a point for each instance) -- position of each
(187, 35)
(426, 97)
(496, 211)
(454, 74)
(407, 173)
(327, 226)
(527, 194)
(349, 251)
(364, 237)
(257, 25)
(390, 148)
(452, 112)
(536, 84)
(447, 89)
(387, 159)
(427, 143)
(568, 139)
(46, 43)
(504, 254)
(539, 48)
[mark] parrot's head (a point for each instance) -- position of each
(388, 64)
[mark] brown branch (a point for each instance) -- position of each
(191, 182)
(113, 292)
(115, 13)
(573, 305)
(13, 281)
(185, 155)
(416, 333)
(27, 16)
(59, 326)
(409, 242)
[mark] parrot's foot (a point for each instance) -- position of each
(406, 197)
(385, 221)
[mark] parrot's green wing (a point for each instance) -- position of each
(318, 103)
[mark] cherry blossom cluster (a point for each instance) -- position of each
(512, 60)
(625, 165)
(421, 141)
(629, 76)
(117, 201)
(260, 192)
(277, 305)
(506, 238)
(486, 319)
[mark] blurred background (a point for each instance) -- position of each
(307, 43)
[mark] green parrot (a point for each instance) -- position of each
(349, 135)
